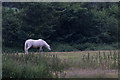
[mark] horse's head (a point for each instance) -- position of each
(49, 48)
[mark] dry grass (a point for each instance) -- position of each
(83, 69)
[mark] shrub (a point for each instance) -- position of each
(93, 46)
(63, 47)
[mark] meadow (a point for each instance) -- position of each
(79, 64)
(66, 27)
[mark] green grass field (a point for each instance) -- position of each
(82, 64)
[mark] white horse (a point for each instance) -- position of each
(35, 44)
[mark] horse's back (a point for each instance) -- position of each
(39, 42)
(41, 39)
(29, 39)
(34, 40)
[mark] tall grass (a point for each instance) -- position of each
(51, 65)
(102, 60)
(31, 66)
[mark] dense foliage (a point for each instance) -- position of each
(70, 23)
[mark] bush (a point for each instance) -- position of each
(85, 46)
(63, 47)
(93, 46)
(105, 47)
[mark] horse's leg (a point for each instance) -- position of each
(41, 49)
(27, 49)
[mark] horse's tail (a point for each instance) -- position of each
(25, 47)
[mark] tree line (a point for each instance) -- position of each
(62, 22)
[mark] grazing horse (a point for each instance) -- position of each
(35, 44)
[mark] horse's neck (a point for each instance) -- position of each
(45, 44)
